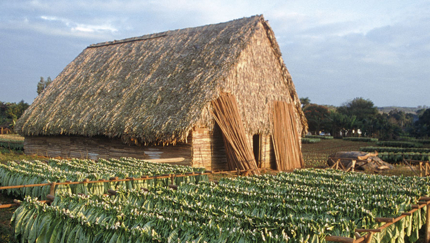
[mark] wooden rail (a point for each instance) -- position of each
(424, 202)
(115, 179)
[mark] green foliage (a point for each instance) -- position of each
(401, 144)
(360, 108)
(319, 136)
(316, 116)
(42, 84)
(305, 101)
(415, 140)
(16, 146)
(394, 149)
(360, 139)
(10, 112)
(311, 140)
(393, 157)
(422, 126)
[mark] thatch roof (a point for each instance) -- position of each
(151, 88)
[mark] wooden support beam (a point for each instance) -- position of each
(368, 230)
(9, 205)
(339, 239)
(50, 197)
(427, 229)
(112, 192)
(52, 189)
(386, 220)
(174, 187)
(369, 237)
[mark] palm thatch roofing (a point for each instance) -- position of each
(151, 88)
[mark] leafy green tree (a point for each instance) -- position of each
(423, 125)
(316, 116)
(42, 84)
(10, 112)
(305, 101)
(338, 122)
(359, 108)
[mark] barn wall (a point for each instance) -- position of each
(256, 81)
(267, 156)
(103, 147)
(208, 148)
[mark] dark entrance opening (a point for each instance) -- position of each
(256, 148)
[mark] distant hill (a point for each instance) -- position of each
(412, 110)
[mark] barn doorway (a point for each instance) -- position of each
(256, 149)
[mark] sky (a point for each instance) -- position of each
(335, 50)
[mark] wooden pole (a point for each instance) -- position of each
(339, 239)
(427, 230)
(52, 190)
(421, 169)
(427, 165)
(369, 237)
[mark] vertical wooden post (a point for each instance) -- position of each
(353, 165)
(369, 237)
(52, 190)
(427, 166)
(421, 169)
(427, 232)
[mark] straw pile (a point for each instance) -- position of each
(239, 152)
(286, 138)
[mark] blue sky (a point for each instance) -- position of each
(335, 50)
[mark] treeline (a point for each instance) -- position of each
(360, 117)
(10, 112)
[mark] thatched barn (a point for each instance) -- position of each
(154, 97)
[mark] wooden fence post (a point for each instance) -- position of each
(52, 190)
(421, 169)
(427, 166)
(427, 231)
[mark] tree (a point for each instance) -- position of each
(316, 116)
(10, 112)
(423, 124)
(305, 101)
(360, 108)
(43, 84)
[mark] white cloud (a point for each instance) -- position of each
(78, 27)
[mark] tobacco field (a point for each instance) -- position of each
(303, 206)
(54, 170)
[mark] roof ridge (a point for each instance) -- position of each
(161, 34)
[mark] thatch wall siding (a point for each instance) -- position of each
(208, 148)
